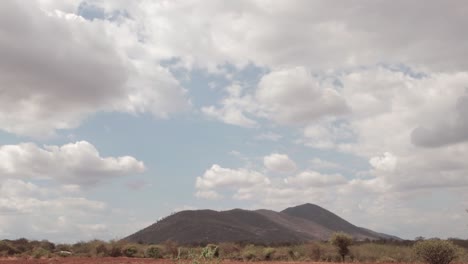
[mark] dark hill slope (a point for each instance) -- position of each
(331, 221)
(202, 226)
(308, 229)
(292, 225)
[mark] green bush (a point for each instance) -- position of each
(23, 245)
(436, 251)
(130, 251)
(7, 249)
(154, 252)
(342, 241)
(210, 252)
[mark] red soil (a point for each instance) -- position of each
(73, 260)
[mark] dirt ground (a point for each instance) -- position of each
(83, 261)
(122, 261)
(132, 261)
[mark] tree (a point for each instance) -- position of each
(342, 241)
(435, 251)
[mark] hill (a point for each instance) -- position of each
(331, 221)
(292, 225)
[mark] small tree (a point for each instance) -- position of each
(342, 241)
(435, 251)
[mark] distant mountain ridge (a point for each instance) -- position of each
(293, 225)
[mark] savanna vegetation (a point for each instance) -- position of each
(339, 248)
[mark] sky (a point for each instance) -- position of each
(114, 114)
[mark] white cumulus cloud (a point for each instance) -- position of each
(74, 163)
(217, 177)
(58, 68)
(309, 179)
(276, 162)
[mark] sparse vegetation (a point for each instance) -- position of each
(435, 251)
(361, 251)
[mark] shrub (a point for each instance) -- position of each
(187, 253)
(283, 253)
(342, 241)
(153, 252)
(101, 250)
(250, 253)
(435, 251)
(374, 252)
(268, 253)
(308, 251)
(229, 250)
(82, 249)
(115, 250)
(40, 253)
(210, 252)
(49, 246)
(315, 252)
(7, 249)
(63, 247)
(171, 249)
(130, 251)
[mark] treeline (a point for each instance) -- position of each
(363, 251)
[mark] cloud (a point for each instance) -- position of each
(36, 212)
(74, 163)
(208, 194)
(58, 68)
(233, 108)
(271, 136)
(389, 108)
(387, 162)
(309, 179)
(327, 134)
(288, 96)
(292, 96)
(217, 177)
(452, 130)
(137, 184)
(281, 163)
(322, 35)
(319, 164)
